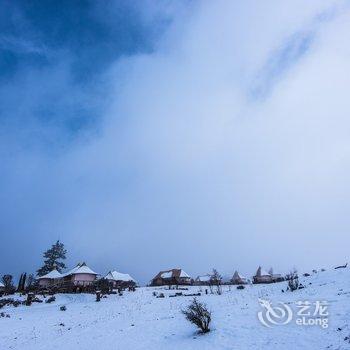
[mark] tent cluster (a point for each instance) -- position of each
(260, 276)
(83, 276)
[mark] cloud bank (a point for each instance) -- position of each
(225, 146)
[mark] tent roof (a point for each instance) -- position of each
(237, 275)
(118, 276)
(204, 278)
(80, 268)
(53, 274)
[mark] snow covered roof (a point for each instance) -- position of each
(204, 278)
(184, 274)
(2, 285)
(118, 276)
(173, 273)
(167, 274)
(53, 274)
(237, 275)
(80, 268)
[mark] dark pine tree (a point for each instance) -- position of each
(53, 259)
(30, 281)
(7, 280)
(19, 288)
(23, 285)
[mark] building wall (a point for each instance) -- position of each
(263, 279)
(83, 278)
(171, 281)
(44, 282)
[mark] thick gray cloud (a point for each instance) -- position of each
(227, 146)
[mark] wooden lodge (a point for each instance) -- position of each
(171, 277)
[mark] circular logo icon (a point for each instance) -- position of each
(274, 315)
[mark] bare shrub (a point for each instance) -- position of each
(293, 281)
(198, 314)
(216, 280)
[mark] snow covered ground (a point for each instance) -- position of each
(138, 320)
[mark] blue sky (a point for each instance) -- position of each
(143, 134)
(69, 45)
(34, 34)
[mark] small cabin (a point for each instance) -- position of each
(276, 277)
(118, 279)
(171, 277)
(50, 278)
(81, 275)
(262, 276)
(238, 279)
(203, 280)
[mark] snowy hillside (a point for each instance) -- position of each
(139, 320)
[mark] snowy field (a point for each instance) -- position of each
(138, 320)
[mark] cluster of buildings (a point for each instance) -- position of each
(83, 276)
(180, 277)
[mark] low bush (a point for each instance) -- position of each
(198, 314)
(293, 281)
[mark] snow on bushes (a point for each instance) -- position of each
(293, 281)
(198, 314)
